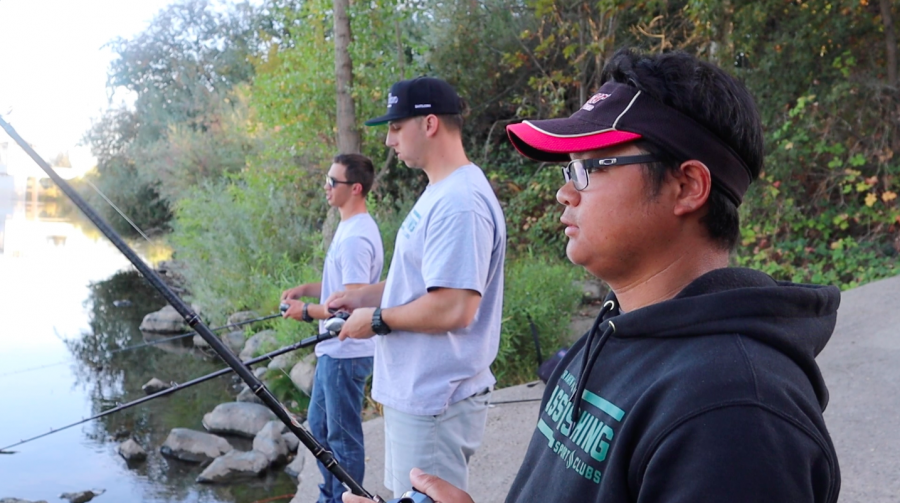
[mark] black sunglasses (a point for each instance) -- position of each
(332, 181)
(577, 171)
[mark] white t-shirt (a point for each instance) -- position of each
(454, 237)
(355, 256)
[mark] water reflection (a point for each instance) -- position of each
(113, 377)
(59, 286)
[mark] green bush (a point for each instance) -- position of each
(825, 210)
(532, 212)
(242, 246)
(544, 290)
(280, 384)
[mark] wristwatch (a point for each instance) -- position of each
(306, 317)
(378, 325)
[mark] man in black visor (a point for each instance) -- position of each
(697, 381)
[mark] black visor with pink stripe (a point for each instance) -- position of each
(619, 114)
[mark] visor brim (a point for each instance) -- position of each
(537, 139)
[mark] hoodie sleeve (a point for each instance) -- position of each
(738, 453)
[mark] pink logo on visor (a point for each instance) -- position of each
(597, 98)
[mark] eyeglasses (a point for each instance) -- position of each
(332, 181)
(577, 171)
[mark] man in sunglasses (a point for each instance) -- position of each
(697, 381)
(354, 260)
(437, 316)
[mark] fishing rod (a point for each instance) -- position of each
(323, 455)
(168, 391)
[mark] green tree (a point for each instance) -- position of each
(189, 122)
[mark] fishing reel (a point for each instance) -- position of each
(332, 325)
(412, 497)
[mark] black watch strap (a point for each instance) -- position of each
(306, 317)
(378, 324)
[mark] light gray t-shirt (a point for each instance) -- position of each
(355, 256)
(454, 237)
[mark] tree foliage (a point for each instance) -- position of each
(189, 118)
(236, 120)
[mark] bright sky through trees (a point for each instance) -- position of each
(53, 66)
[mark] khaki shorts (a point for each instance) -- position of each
(440, 445)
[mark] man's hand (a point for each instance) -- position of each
(295, 312)
(437, 489)
(345, 300)
(294, 293)
(359, 325)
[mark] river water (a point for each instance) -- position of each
(61, 321)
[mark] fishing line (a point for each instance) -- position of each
(133, 226)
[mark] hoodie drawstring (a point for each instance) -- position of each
(590, 355)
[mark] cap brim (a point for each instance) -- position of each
(553, 140)
(377, 121)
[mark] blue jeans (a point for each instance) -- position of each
(335, 418)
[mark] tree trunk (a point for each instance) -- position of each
(721, 48)
(348, 141)
(348, 135)
(726, 34)
(890, 39)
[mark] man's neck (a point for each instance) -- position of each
(665, 279)
(352, 208)
(444, 158)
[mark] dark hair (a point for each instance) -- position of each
(455, 122)
(714, 99)
(359, 170)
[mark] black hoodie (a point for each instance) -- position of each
(711, 396)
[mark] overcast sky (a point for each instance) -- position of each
(53, 65)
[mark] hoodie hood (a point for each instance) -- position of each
(795, 319)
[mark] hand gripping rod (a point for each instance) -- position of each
(324, 456)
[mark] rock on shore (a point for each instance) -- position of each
(303, 374)
(238, 418)
(194, 446)
(165, 321)
(234, 340)
(234, 466)
(247, 395)
(295, 468)
(132, 451)
(154, 386)
(270, 442)
(253, 344)
(242, 316)
(81, 496)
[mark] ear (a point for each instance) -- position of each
(694, 184)
(356, 189)
(432, 124)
